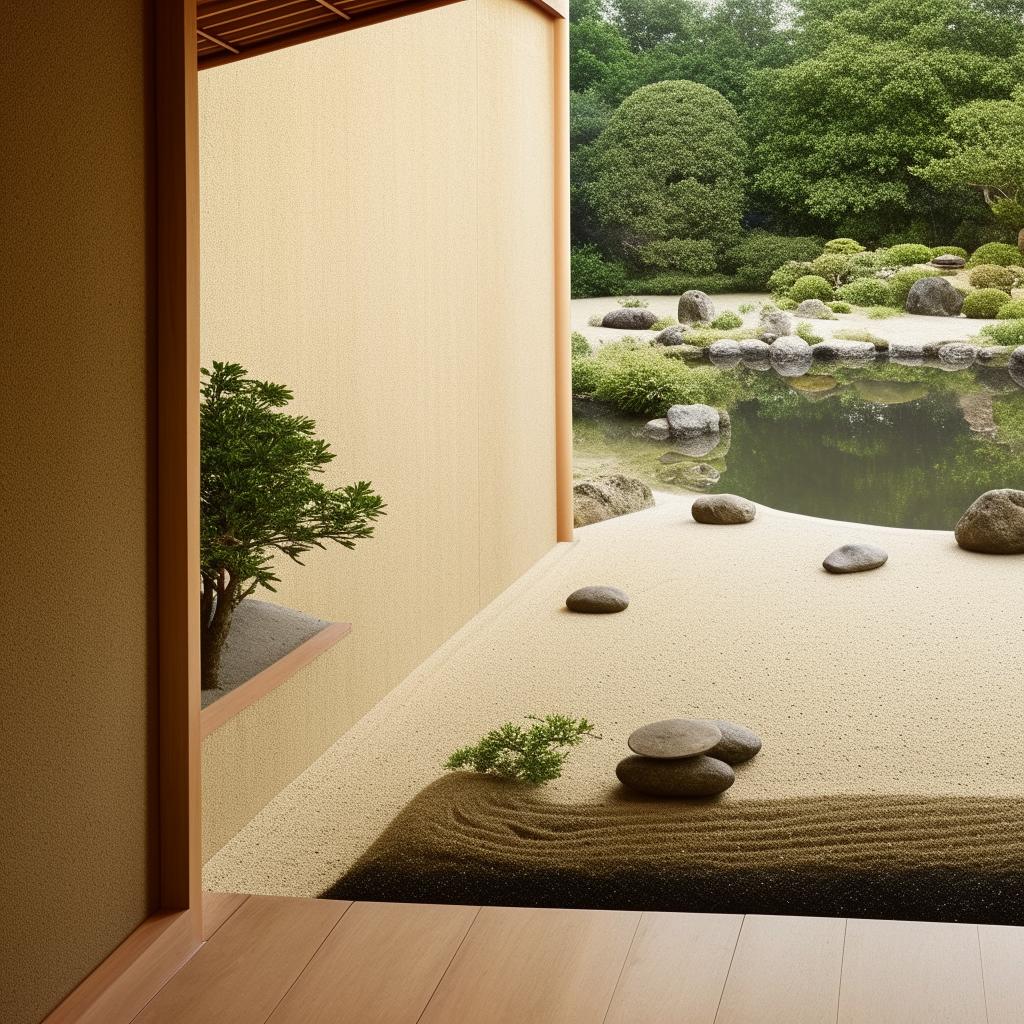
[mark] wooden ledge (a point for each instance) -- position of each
(217, 713)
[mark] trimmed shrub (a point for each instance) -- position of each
(760, 254)
(948, 250)
(676, 284)
(678, 256)
(990, 275)
(984, 304)
(901, 282)
(811, 286)
(786, 276)
(846, 246)
(864, 264)
(580, 345)
(866, 291)
(593, 276)
(585, 375)
(1009, 332)
(785, 302)
(840, 307)
(726, 321)
(999, 253)
(1012, 310)
(833, 266)
(907, 254)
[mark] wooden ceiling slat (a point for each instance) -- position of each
(261, 31)
(211, 8)
(334, 10)
(217, 42)
(283, 9)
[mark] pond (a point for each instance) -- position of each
(891, 445)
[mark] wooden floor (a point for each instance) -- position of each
(291, 961)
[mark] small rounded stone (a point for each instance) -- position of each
(723, 509)
(738, 743)
(683, 777)
(599, 600)
(855, 558)
(674, 738)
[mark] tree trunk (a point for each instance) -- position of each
(215, 632)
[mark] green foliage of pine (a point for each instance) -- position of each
(998, 253)
(984, 303)
(535, 755)
(844, 246)
(811, 286)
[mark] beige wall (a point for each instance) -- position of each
(76, 860)
(377, 231)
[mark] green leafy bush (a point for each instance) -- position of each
(676, 284)
(845, 246)
(678, 256)
(704, 336)
(840, 307)
(1009, 332)
(585, 376)
(781, 280)
(948, 250)
(665, 321)
(902, 281)
(629, 302)
(727, 321)
(1012, 310)
(833, 266)
(805, 331)
(999, 253)
(786, 303)
(580, 345)
(991, 275)
(866, 291)
(811, 286)
(984, 303)
(535, 755)
(593, 276)
(907, 254)
(754, 259)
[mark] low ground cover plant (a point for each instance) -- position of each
(1012, 310)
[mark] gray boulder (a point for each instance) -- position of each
(1016, 366)
(657, 430)
(993, 354)
(688, 420)
(723, 510)
(754, 351)
(994, 524)
(738, 743)
(683, 777)
(630, 319)
(674, 335)
(837, 348)
(934, 296)
(724, 353)
(815, 309)
(674, 737)
(949, 261)
(957, 354)
(774, 323)
(855, 558)
(790, 356)
(695, 307)
(598, 600)
(605, 497)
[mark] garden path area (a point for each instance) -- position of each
(895, 682)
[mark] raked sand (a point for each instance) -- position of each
(904, 680)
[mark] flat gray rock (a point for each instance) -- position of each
(687, 420)
(994, 524)
(684, 777)
(674, 335)
(959, 354)
(627, 319)
(657, 430)
(675, 737)
(724, 353)
(605, 497)
(774, 323)
(723, 509)
(790, 356)
(597, 600)
(839, 348)
(855, 558)
(814, 309)
(738, 743)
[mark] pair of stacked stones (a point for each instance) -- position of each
(686, 757)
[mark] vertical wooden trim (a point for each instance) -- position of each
(177, 230)
(563, 294)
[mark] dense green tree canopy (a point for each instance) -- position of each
(669, 166)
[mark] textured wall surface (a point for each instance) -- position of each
(377, 232)
(75, 469)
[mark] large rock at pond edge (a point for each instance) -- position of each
(723, 510)
(754, 351)
(934, 296)
(724, 353)
(838, 348)
(696, 307)
(630, 319)
(598, 600)
(674, 335)
(674, 737)
(815, 309)
(685, 351)
(738, 743)
(774, 323)
(790, 356)
(994, 524)
(605, 497)
(1016, 366)
(657, 430)
(957, 354)
(687, 420)
(684, 777)
(855, 558)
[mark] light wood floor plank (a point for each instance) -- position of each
(785, 970)
(1002, 962)
(244, 971)
(911, 972)
(538, 966)
(380, 965)
(217, 908)
(676, 969)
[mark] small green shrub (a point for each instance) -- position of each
(883, 312)
(852, 334)
(907, 254)
(840, 307)
(629, 302)
(754, 259)
(984, 303)
(991, 275)
(999, 253)
(867, 291)
(948, 250)
(786, 276)
(845, 246)
(901, 282)
(1012, 310)
(580, 345)
(746, 307)
(1009, 332)
(805, 331)
(811, 286)
(786, 303)
(678, 256)
(833, 266)
(865, 264)
(704, 336)
(727, 321)
(585, 375)
(665, 321)
(593, 276)
(676, 284)
(535, 755)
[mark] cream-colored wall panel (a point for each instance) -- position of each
(377, 233)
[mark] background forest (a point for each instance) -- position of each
(712, 142)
